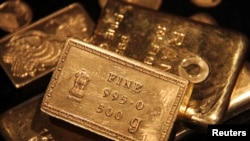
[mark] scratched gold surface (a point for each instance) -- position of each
(238, 104)
(209, 56)
(26, 122)
(112, 95)
(33, 51)
(241, 93)
(239, 98)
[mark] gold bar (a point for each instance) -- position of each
(239, 103)
(27, 123)
(239, 100)
(209, 56)
(33, 51)
(241, 93)
(112, 95)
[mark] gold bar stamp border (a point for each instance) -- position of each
(85, 123)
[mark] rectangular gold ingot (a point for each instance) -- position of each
(33, 51)
(112, 95)
(208, 56)
(26, 122)
(239, 103)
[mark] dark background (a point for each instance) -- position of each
(231, 14)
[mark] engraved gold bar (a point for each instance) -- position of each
(208, 56)
(26, 122)
(32, 52)
(112, 95)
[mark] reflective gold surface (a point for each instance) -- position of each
(239, 101)
(27, 123)
(206, 3)
(14, 15)
(144, 3)
(240, 97)
(183, 132)
(204, 17)
(33, 51)
(208, 56)
(112, 95)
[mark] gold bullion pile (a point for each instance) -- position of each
(136, 75)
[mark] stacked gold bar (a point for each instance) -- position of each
(208, 56)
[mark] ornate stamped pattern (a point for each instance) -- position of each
(33, 51)
(123, 84)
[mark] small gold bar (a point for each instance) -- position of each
(32, 52)
(208, 56)
(26, 122)
(112, 95)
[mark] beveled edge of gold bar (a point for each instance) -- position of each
(32, 25)
(185, 101)
(184, 85)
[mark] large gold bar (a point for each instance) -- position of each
(26, 122)
(239, 103)
(112, 95)
(240, 97)
(32, 52)
(209, 56)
